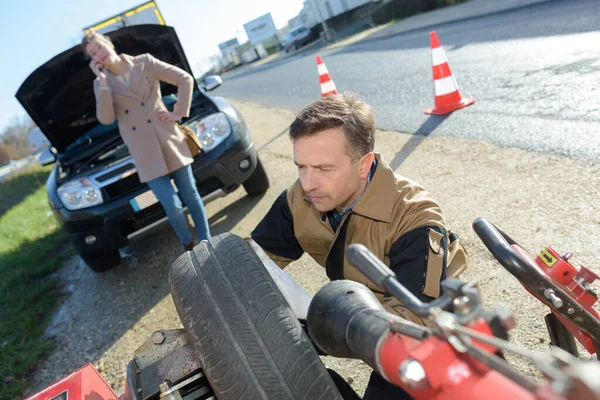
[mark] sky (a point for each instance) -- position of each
(33, 31)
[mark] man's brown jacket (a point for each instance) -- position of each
(395, 218)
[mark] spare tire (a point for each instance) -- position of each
(244, 333)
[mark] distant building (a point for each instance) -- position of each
(295, 22)
(230, 54)
(262, 31)
(315, 11)
(229, 46)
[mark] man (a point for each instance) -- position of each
(346, 193)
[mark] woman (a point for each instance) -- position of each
(127, 89)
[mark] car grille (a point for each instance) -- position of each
(142, 219)
(115, 172)
(155, 212)
(122, 187)
(208, 186)
(132, 183)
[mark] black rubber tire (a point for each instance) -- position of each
(243, 331)
(560, 335)
(101, 261)
(258, 183)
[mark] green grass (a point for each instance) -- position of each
(30, 242)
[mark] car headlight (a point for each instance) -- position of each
(80, 193)
(212, 130)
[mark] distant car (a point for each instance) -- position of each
(297, 38)
(94, 189)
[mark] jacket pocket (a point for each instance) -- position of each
(435, 263)
(458, 257)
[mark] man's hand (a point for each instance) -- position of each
(97, 68)
(166, 116)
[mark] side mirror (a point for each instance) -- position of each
(212, 82)
(47, 157)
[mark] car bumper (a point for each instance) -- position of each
(116, 224)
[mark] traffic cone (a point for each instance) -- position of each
(445, 87)
(327, 85)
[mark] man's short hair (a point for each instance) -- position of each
(339, 110)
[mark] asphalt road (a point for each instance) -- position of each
(533, 72)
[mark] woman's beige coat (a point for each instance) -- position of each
(158, 148)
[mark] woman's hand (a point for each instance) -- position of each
(166, 116)
(97, 68)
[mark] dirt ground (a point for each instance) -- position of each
(537, 199)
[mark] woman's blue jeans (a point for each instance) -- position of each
(171, 202)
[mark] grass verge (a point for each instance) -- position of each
(30, 240)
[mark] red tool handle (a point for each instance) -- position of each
(433, 369)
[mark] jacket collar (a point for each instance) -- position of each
(377, 202)
(135, 78)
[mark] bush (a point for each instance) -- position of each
(7, 153)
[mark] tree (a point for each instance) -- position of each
(15, 135)
(7, 153)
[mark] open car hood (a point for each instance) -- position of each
(59, 95)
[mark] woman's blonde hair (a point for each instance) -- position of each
(91, 35)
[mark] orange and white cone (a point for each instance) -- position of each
(327, 85)
(445, 88)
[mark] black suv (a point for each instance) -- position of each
(94, 189)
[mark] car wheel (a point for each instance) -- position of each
(258, 182)
(101, 261)
(242, 330)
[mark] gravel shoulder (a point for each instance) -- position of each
(537, 199)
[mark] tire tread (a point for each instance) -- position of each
(243, 331)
